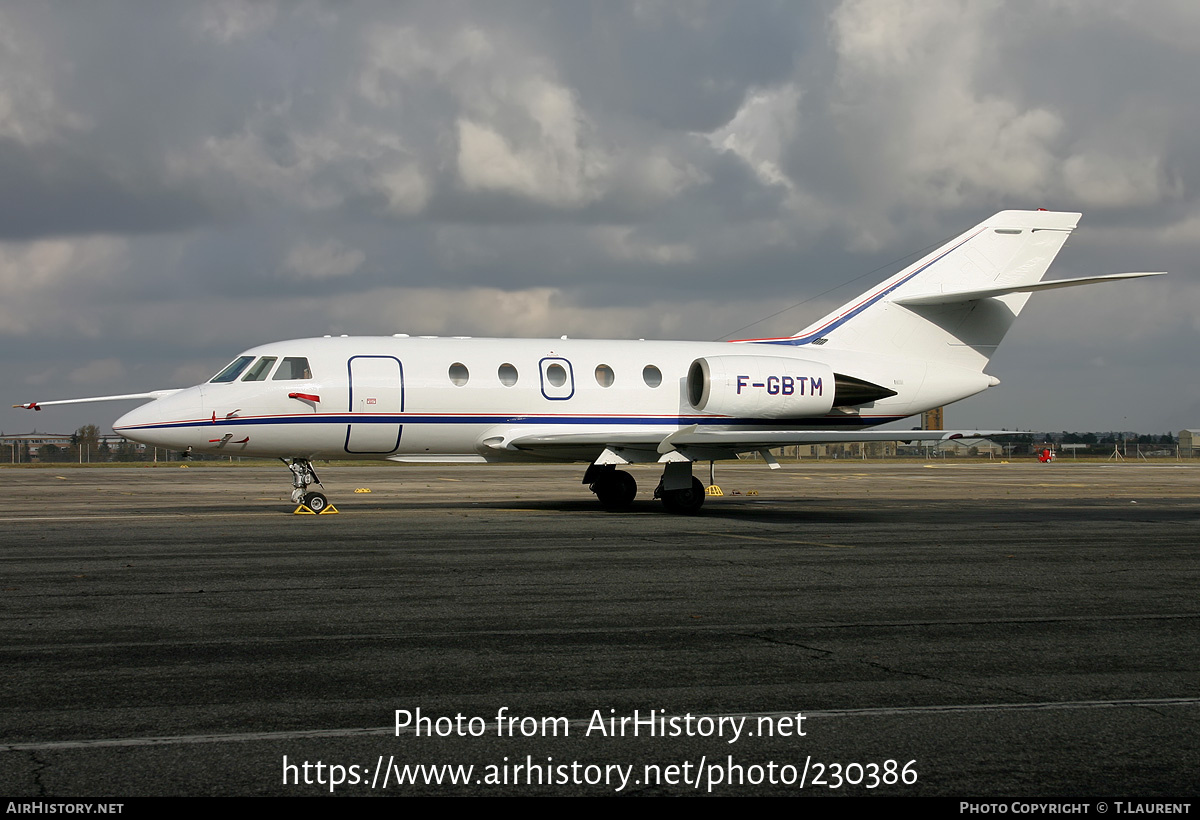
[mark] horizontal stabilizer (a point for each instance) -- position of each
(956, 296)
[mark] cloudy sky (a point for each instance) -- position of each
(180, 181)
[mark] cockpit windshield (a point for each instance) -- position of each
(234, 369)
(261, 369)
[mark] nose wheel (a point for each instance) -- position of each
(303, 476)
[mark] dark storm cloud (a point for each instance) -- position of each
(53, 190)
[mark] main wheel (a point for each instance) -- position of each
(316, 502)
(616, 490)
(685, 502)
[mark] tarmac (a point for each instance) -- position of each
(976, 630)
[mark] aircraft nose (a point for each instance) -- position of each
(158, 422)
(138, 423)
(134, 418)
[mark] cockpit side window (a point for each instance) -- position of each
(261, 369)
(293, 367)
(233, 371)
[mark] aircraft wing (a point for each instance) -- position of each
(701, 444)
(153, 394)
(785, 438)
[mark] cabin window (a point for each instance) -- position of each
(651, 375)
(293, 367)
(507, 374)
(604, 375)
(261, 369)
(459, 374)
(234, 370)
(556, 375)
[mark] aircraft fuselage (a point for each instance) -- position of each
(430, 398)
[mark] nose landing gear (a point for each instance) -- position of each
(304, 475)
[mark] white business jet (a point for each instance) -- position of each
(920, 340)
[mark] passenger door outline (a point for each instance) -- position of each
(375, 400)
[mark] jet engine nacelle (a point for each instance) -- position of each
(761, 387)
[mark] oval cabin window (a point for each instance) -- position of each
(556, 375)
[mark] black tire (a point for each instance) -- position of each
(615, 490)
(316, 502)
(685, 502)
(628, 487)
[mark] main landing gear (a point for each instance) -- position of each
(680, 492)
(685, 501)
(303, 475)
(614, 488)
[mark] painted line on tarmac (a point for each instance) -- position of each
(372, 731)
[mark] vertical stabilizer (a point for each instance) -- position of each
(1010, 249)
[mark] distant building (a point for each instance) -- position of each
(24, 446)
(1189, 441)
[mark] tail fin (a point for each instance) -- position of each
(955, 305)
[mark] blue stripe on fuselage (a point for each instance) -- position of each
(672, 421)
